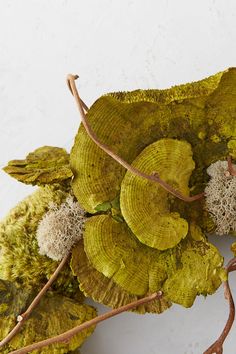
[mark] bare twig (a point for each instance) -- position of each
(23, 317)
(230, 265)
(217, 346)
(231, 169)
(64, 337)
(85, 107)
(153, 177)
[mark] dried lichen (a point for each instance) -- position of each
(220, 195)
(60, 228)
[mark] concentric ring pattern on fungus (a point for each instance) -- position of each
(145, 205)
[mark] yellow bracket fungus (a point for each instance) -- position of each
(115, 252)
(146, 205)
(104, 290)
(45, 165)
(156, 239)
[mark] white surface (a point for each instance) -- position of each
(113, 45)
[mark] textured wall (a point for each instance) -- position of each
(112, 45)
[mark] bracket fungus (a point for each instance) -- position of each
(139, 168)
(143, 203)
(45, 165)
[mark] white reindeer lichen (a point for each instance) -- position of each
(220, 194)
(60, 228)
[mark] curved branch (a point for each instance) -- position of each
(217, 346)
(231, 169)
(85, 107)
(64, 337)
(153, 177)
(23, 317)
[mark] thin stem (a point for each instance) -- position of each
(230, 265)
(154, 177)
(85, 107)
(23, 317)
(217, 346)
(66, 336)
(231, 169)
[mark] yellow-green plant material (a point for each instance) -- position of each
(200, 113)
(20, 259)
(54, 315)
(192, 268)
(145, 205)
(45, 165)
(176, 133)
(104, 290)
(138, 237)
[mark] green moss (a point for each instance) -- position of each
(20, 258)
(54, 315)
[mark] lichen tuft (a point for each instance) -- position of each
(60, 228)
(220, 195)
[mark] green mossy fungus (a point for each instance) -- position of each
(54, 315)
(191, 268)
(20, 259)
(45, 165)
(145, 203)
(105, 290)
(200, 115)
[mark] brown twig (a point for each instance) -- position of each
(153, 177)
(217, 346)
(64, 337)
(231, 169)
(23, 317)
(85, 107)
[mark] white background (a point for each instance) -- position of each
(112, 45)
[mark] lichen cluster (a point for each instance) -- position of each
(221, 197)
(60, 228)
